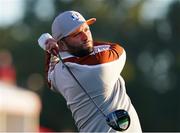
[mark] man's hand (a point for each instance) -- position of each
(51, 46)
(48, 43)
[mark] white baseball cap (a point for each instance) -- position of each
(67, 22)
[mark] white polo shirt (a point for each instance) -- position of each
(99, 74)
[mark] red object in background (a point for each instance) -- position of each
(45, 129)
(8, 74)
(7, 70)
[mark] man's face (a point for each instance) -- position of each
(80, 42)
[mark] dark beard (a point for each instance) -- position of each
(81, 53)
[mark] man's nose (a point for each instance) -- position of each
(84, 36)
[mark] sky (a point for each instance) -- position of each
(13, 10)
(153, 9)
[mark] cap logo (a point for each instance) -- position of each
(75, 16)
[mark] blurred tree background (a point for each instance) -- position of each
(151, 38)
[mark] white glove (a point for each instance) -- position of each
(42, 40)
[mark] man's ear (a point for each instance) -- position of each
(62, 45)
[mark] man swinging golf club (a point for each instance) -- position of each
(87, 74)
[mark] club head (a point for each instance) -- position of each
(119, 120)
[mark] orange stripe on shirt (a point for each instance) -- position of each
(114, 52)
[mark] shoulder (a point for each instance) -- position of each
(109, 48)
(99, 43)
(104, 52)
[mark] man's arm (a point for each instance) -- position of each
(50, 62)
(47, 62)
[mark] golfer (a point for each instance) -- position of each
(96, 66)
